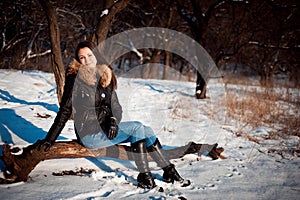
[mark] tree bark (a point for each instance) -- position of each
(151, 69)
(56, 57)
(113, 7)
(19, 166)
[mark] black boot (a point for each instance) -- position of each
(144, 178)
(160, 157)
(171, 174)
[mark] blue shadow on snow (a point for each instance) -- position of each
(4, 95)
(10, 122)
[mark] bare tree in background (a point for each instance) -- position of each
(111, 8)
(107, 15)
(198, 20)
(56, 56)
(260, 37)
(255, 34)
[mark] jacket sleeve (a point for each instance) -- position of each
(116, 107)
(65, 111)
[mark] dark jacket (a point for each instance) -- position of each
(92, 106)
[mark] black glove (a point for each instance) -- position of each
(43, 144)
(113, 129)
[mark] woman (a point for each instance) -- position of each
(89, 94)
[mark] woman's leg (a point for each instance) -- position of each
(140, 137)
(136, 131)
(139, 131)
(131, 131)
(100, 140)
(144, 178)
(160, 157)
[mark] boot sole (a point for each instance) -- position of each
(183, 183)
(145, 186)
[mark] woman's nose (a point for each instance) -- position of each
(85, 60)
(88, 59)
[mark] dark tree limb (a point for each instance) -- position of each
(104, 23)
(56, 57)
(18, 166)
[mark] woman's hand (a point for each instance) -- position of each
(113, 130)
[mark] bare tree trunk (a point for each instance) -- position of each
(112, 7)
(166, 75)
(56, 57)
(199, 28)
(151, 69)
(19, 166)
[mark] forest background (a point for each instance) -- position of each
(245, 38)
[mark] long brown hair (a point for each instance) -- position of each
(92, 46)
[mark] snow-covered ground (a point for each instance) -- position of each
(170, 108)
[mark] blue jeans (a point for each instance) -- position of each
(131, 131)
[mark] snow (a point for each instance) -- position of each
(170, 108)
(104, 12)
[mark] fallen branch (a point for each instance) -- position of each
(19, 166)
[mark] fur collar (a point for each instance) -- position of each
(89, 75)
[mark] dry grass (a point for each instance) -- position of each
(265, 107)
(274, 108)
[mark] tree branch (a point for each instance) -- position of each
(113, 7)
(18, 166)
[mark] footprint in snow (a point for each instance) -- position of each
(233, 172)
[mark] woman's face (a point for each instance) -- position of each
(87, 57)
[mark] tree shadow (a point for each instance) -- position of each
(161, 88)
(6, 96)
(11, 123)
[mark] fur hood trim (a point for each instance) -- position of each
(89, 75)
